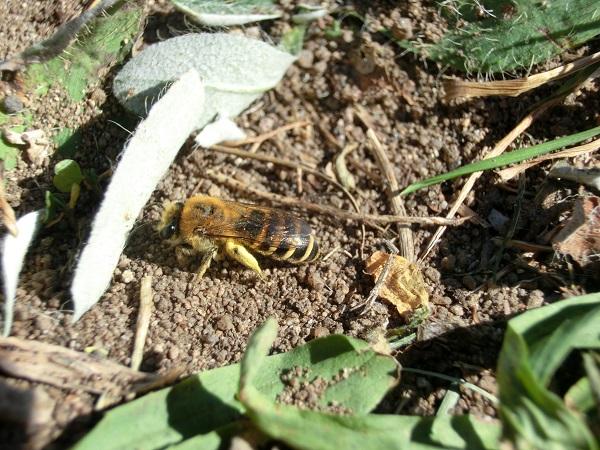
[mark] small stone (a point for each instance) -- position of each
(305, 59)
(173, 353)
(469, 282)
(315, 281)
(127, 276)
(402, 28)
(433, 274)
(536, 299)
(457, 310)
(448, 263)
(43, 322)
(11, 104)
(225, 323)
(319, 332)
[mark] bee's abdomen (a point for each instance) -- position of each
(289, 239)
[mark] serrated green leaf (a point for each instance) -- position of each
(66, 173)
(507, 158)
(501, 36)
(206, 402)
(107, 40)
(535, 345)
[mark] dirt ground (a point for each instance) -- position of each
(203, 324)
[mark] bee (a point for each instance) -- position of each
(213, 228)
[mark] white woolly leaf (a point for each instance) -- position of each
(235, 71)
(145, 160)
(222, 129)
(221, 13)
(14, 250)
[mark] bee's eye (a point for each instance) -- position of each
(168, 231)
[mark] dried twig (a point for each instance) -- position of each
(460, 88)
(500, 147)
(266, 136)
(511, 172)
(143, 321)
(8, 214)
(65, 368)
(406, 244)
(330, 211)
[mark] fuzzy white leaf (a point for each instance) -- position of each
(225, 14)
(14, 250)
(222, 129)
(145, 160)
(235, 70)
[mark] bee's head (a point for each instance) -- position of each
(169, 223)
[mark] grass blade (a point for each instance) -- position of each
(516, 156)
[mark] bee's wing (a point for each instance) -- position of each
(259, 226)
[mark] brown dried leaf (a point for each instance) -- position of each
(404, 286)
(35, 141)
(580, 238)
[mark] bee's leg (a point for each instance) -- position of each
(183, 254)
(207, 258)
(243, 256)
(208, 250)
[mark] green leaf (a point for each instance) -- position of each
(67, 141)
(580, 396)
(293, 39)
(512, 157)
(53, 204)
(219, 13)
(235, 71)
(66, 173)
(535, 345)
(8, 154)
(514, 34)
(206, 402)
(108, 39)
(311, 430)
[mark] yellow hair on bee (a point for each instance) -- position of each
(169, 212)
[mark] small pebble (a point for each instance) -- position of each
(448, 263)
(305, 59)
(11, 104)
(127, 276)
(319, 332)
(225, 323)
(469, 282)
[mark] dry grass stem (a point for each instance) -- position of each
(143, 321)
(498, 149)
(266, 136)
(465, 89)
(331, 211)
(406, 246)
(511, 172)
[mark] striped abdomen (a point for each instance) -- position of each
(286, 238)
